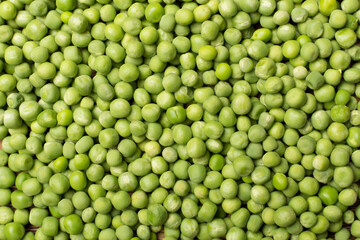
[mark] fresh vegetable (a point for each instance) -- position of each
(206, 119)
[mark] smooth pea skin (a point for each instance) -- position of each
(295, 118)
(73, 224)
(284, 216)
(14, 231)
(243, 165)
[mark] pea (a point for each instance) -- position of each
(295, 118)
(20, 200)
(343, 57)
(243, 165)
(14, 230)
(8, 177)
(157, 214)
(73, 224)
(280, 181)
(354, 229)
(189, 227)
(154, 12)
(284, 216)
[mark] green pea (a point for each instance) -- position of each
(284, 216)
(243, 165)
(340, 60)
(189, 227)
(303, 186)
(258, 49)
(176, 114)
(295, 118)
(154, 12)
(280, 181)
(14, 231)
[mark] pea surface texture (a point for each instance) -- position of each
(179, 119)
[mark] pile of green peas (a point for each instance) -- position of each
(179, 119)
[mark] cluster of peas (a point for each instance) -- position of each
(204, 119)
